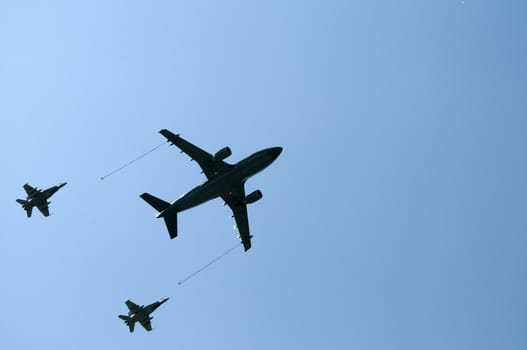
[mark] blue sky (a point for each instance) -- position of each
(393, 219)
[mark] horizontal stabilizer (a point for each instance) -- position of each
(155, 202)
(128, 321)
(25, 204)
(171, 222)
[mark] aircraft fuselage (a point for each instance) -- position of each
(142, 313)
(38, 198)
(41, 197)
(220, 185)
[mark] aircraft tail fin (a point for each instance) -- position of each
(27, 208)
(170, 216)
(171, 222)
(128, 322)
(155, 202)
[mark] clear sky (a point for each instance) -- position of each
(395, 218)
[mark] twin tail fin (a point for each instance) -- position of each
(25, 204)
(128, 321)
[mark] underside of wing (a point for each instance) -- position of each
(242, 222)
(235, 200)
(210, 166)
(131, 306)
(146, 324)
(30, 190)
(44, 209)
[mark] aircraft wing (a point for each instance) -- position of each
(235, 200)
(211, 167)
(242, 222)
(44, 209)
(132, 306)
(30, 190)
(146, 324)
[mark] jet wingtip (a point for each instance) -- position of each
(167, 133)
(247, 243)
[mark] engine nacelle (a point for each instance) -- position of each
(222, 153)
(253, 197)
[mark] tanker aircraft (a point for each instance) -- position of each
(223, 180)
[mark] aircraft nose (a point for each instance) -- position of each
(276, 151)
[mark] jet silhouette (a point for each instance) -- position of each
(140, 314)
(223, 180)
(38, 198)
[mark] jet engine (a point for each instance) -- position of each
(253, 197)
(222, 153)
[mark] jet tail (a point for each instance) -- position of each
(171, 222)
(128, 322)
(27, 208)
(161, 206)
(157, 203)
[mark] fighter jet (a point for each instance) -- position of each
(38, 198)
(223, 180)
(140, 314)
